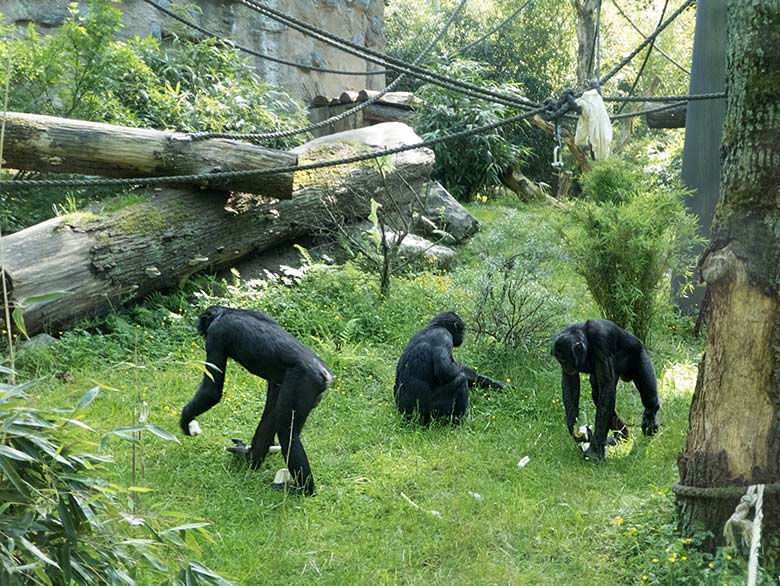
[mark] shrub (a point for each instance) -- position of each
(627, 239)
(62, 518)
(471, 164)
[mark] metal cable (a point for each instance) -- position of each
(249, 51)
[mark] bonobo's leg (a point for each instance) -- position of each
(452, 399)
(606, 384)
(570, 385)
(264, 434)
(298, 394)
(615, 423)
(647, 386)
(209, 392)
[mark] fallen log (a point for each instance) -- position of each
(672, 118)
(62, 145)
(103, 259)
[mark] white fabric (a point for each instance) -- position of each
(593, 126)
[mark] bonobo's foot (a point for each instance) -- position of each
(595, 453)
(619, 429)
(649, 423)
(240, 449)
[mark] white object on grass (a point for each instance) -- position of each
(283, 476)
(523, 462)
(275, 450)
(194, 428)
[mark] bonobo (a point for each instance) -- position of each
(428, 381)
(296, 380)
(606, 352)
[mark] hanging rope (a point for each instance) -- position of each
(644, 36)
(328, 121)
(739, 528)
(488, 34)
(202, 178)
(649, 39)
(249, 51)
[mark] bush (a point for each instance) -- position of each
(471, 164)
(627, 239)
(62, 519)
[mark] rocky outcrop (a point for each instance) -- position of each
(361, 21)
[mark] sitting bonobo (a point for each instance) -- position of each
(428, 381)
(296, 377)
(606, 352)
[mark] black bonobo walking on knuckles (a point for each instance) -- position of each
(428, 381)
(606, 352)
(296, 380)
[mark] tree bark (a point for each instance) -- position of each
(734, 426)
(62, 145)
(102, 260)
(586, 39)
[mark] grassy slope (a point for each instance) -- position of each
(559, 520)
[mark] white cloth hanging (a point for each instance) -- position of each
(593, 126)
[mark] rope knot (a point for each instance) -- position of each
(555, 108)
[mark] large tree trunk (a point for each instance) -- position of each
(734, 428)
(586, 37)
(62, 145)
(100, 260)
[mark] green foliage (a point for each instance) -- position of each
(626, 238)
(475, 163)
(62, 518)
(648, 540)
(81, 71)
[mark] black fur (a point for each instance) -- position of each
(296, 377)
(606, 352)
(428, 381)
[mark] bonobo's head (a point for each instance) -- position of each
(570, 349)
(450, 321)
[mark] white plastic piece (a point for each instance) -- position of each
(476, 495)
(275, 450)
(194, 428)
(593, 126)
(523, 462)
(283, 476)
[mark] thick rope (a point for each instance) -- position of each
(333, 119)
(719, 492)
(385, 60)
(644, 36)
(227, 175)
(755, 542)
(249, 51)
(649, 39)
(492, 31)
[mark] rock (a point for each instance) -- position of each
(38, 341)
(447, 214)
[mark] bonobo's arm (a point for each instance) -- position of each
(480, 380)
(570, 385)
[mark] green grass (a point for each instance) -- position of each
(478, 519)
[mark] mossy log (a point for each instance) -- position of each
(101, 260)
(62, 145)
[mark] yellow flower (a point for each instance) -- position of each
(654, 560)
(509, 380)
(710, 565)
(683, 558)
(644, 578)
(729, 558)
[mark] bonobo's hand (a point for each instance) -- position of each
(649, 423)
(486, 382)
(595, 453)
(240, 449)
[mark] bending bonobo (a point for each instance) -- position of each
(428, 381)
(296, 380)
(606, 352)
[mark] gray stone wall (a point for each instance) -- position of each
(360, 21)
